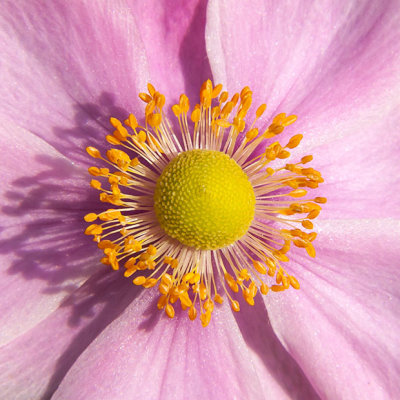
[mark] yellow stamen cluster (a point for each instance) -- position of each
(129, 234)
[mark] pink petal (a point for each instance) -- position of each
(361, 169)
(42, 248)
(68, 67)
(144, 355)
(32, 366)
(307, 56)
(65, 71)
(343, 326)
(173, 35)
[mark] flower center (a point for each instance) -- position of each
(231, 212)
(204, 199)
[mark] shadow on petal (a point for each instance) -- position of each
(257, 331)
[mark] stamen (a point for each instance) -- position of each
(147, 176)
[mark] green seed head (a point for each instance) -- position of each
(204, 199)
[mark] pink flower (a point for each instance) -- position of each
(70, 329)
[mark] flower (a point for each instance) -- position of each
(73, 330)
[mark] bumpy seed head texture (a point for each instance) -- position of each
(207, 218)
(204, 199)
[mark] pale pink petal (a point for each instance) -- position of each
(173, 36)
(307, 56)
(32, 365)
(67, 66)
(44, 254)
(360, 167)
(145, 355)
(269, 357)
(342, 326)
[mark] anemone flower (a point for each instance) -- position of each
(74, 329)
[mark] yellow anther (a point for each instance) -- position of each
(244, 274)
(276, 129)
(129, 272)
(132, 121)
(235, 305)
(93, 152)
(184, 103)
(306, 159)
(185, 300)
(247, 296)
(259, 267)
(251, 134)
(294, 141)
(231, 282)
(310, 250)
(280, 256)
(235, 99)
(145, 97)
(270, 171)
(260, 110)
(298, 193)
(264, 289)
(115, 122)
(209, 305)
(223, 123)
(244, 92)
(160, 100)
(218, 299)
(94, 229)
(162, 301)
(307, 224)
(283, 154)
(168, 260)
(130, 264)
(279, 276)
(202, 291)
(270, 262)
(112, 140)
(277, 288)
(320, 200)
(166, 279)
(285, 282)
(226, 110)
(119, 158)
(94, 171)
(151, 89)
(90, 217)
(216, 91)
(223, 97)
(139, 280)
(313, 214)
(205, 318)
(163, 288)
(141, 136)
(169, 310)
(289, 120)
(195, 116)
(312, 236)
(176, 110)
(192, 313)
(152, 250)
(154, 120)
(215, 112)
(294, 282)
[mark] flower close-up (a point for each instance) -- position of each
(200, 200)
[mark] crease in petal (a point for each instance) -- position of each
(343, 322)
